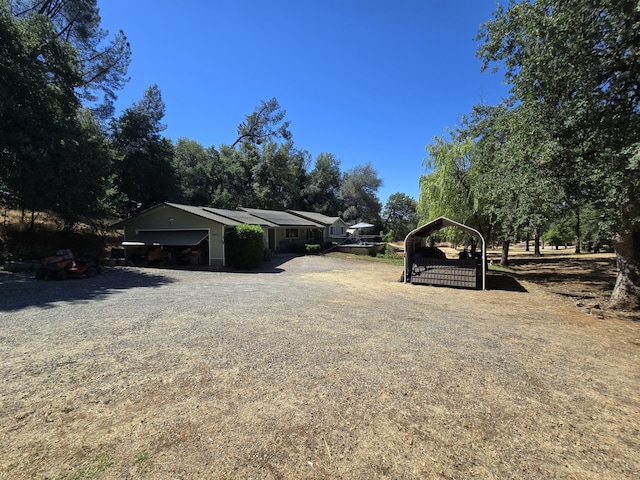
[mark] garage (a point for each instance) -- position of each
(172, 235)
(169, 247)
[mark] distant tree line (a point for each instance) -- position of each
(63, 150)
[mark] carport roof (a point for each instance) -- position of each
(414, 238)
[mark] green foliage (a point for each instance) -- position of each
(144, 169)
(244, 246)
(447, 189)
(312, 248)
(102, 62)
(322, 192)
(83, 174)
(558, 235)
(401, 216)
(573, 67)
(597, 229)
(574, 72)
(359, 189)
(54, 155)
(278, 177)
(192, 164)
(389, 252)
(38, 114)
(265, 123)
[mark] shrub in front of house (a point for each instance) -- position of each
(244, 246)
(312, 248)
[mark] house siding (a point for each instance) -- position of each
(166, 218)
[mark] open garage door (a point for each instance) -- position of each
(167, 238)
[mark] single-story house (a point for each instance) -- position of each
(335, 229)
(172, 233)
(175, 233)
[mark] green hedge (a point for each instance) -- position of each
(312, 248)
(244, 246)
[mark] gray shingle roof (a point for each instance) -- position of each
(231, 218)
(315, 217)
(240, 216)
(282, 219)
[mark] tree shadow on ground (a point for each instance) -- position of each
(273, 265)
(18, 291)
(562, 272)
(503, 281)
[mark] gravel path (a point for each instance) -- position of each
(316, 367)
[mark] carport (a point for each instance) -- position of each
(179, 247)
(170, 238)
(421, 268)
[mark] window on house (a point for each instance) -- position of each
(291, 233)
(332, 230)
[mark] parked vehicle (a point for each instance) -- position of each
(63, 265)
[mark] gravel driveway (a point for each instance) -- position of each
(316, 367)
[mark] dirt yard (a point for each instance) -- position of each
(319, 367)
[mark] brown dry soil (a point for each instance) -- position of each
(319, 367)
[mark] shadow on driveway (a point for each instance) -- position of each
(18, 291)
(501, 281)
(273, 265)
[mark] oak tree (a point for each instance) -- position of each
(573, 65)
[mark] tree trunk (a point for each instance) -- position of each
(504, 258)
(576, 230)
(626, 293)
(536, 242)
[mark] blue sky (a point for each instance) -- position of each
(367, 80)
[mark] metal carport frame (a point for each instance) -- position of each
(433, 226)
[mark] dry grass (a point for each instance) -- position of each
(314, 368)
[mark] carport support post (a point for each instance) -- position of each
(484, 263)
(224, 256)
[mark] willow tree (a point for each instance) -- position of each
(574, 65)
(448, 189)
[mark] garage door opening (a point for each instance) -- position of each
(168, 248)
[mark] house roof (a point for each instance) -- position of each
(316, 217)
(251, 216)
(283, 219)
(239, 216)
(208, 213)
(229, 218)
